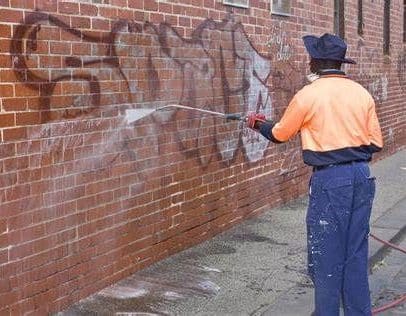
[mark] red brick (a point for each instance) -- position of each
(10, 75)
(17, 191)
(28, 118)
(11, 16)
(60, 48)
(184, 21)
(164, 7)
(49, 33)
(101, 24)
(5, 285)
(118, 3)
(5, 60)
(6, 90)
(11, 134)
(80, 22)
(22, 90)
(158, 18)
(9, 298)
(68, 8)
(7, 120)
(81, 49)
(88, 9)
(106, 12)
(209, 3)
(136, 4)
(23, 4)
(50, 61)
(150, 5)
(46, 5)
(14, 104)
(23, 307)
(16, 163)
(126, 14)
(5, 31)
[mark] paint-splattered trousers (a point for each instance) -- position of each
(337, 238)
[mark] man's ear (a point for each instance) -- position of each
(313, 65)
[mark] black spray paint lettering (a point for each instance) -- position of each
(227, 75)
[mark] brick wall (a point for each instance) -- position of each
(86, 198)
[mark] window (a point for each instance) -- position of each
(361, 18)
(386, 27)
(339, 18)
(237, 3)
(280, 7)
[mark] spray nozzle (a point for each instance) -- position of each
(234, 117)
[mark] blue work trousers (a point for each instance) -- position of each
(337, 238)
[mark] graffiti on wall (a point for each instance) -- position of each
(287, 75)
(379, 88)
(279, 43)
(150, 65)
(370, 72)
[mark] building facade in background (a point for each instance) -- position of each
(87, 198)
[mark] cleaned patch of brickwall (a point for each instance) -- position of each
(86, 198)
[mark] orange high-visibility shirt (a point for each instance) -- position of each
(337, 121)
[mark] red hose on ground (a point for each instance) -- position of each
(388, 243)
(403, 296)
(389, 305)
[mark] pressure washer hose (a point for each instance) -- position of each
(403, 296)
(388, 243)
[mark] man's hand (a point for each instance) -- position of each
(254, 120)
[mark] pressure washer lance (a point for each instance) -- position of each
(133, 115)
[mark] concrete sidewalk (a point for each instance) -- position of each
(257, 268)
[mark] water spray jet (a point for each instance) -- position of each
(133, 115)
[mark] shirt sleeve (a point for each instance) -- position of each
(374, 129)
(291, 121)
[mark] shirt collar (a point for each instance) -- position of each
(332, 73)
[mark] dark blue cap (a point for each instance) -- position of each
(328, 47)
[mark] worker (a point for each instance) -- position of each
(339, 131)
